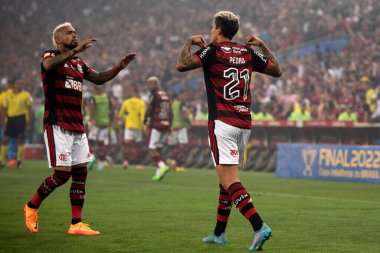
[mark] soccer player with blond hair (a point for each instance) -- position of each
(158, 119)
(62, 73)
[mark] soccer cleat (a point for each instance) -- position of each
(212, 238)
(172, 164)
(155, 178)
(260, 237)
(163, 172)
(81, 229)
(92, 163)
(31, 218)
(180, 169)
(11, 163)
(125, 164)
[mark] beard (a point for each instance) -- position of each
(71, 45)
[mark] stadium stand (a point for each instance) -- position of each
(330, 50)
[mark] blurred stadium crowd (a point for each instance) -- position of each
(324, 81)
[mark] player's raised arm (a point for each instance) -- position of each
(274, 68)
(100, 78)
(186, 60)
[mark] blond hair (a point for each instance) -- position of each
(228, 22)
(227, 15)
(56, 30)
(154, 79)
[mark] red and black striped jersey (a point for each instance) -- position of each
(159, 111)
(63, 92)
(227, 68)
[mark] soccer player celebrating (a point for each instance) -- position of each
(158, 119)
(67, 146)
(227, 68)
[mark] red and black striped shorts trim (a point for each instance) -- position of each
(213, 141)
(51, 145)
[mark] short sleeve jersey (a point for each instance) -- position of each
(227, 68)
(63, 92)
(159, 111)
(134, 109)
(17, 104)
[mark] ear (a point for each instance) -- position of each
(58, 38)
(219, 29)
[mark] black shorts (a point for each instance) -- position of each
(16, 127)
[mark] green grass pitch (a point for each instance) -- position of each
(136, 214)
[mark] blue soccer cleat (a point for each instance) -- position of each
(260, 237)
(212, 238)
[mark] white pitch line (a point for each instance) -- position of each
(319, 198)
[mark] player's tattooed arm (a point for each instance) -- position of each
(60, 59)
(100, 78)
(186, 60)
(274, 69)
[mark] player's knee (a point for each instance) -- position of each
(63, 168)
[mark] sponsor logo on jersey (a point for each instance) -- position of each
(204, 52)
(241, 108)
(261, 56)
(226, 49)
(73, 84)
(238, 50)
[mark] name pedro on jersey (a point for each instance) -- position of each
(237, 60)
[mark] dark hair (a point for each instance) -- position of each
(229, 27)
(16, 75)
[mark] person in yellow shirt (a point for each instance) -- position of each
(133, 111)
(16, 104)
(371, 93)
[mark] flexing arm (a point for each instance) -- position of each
(60, 59)
(102, 77)
(274, 68)
(186, 60)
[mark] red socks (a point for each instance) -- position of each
(48, 186)
(243, 202)
(77, 193)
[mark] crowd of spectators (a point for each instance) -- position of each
(326, 84)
